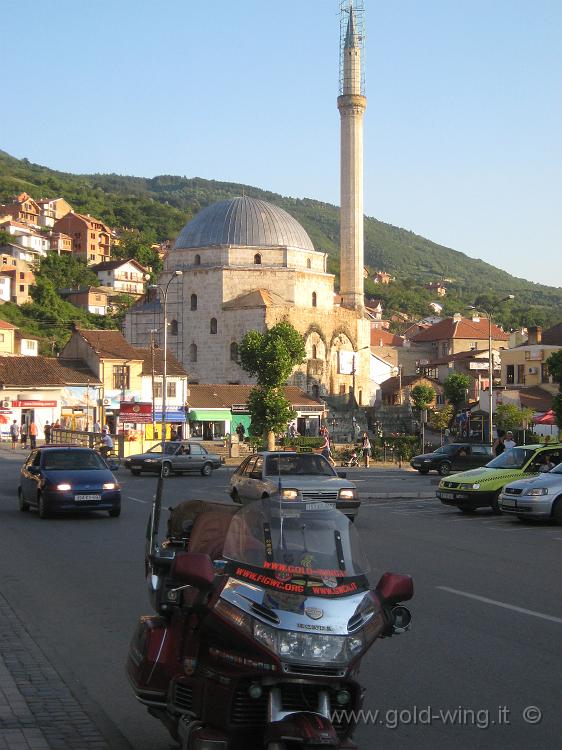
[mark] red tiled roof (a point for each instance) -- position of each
(111, 265)
(4, 323)
(381, 337)
(218, 396)
(109, 344)
(173, 367)
(43, 371)
(449, 328)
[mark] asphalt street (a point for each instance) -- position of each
(485, 645)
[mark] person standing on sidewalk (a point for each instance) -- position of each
(23, 434)
(47, 431)
(33, 431)
(14, 434)
(366, 449)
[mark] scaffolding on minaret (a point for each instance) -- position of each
(352, 33)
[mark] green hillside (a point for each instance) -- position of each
(164, 204)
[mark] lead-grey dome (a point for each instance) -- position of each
(246, 222)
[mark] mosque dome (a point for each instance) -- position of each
(247, 222)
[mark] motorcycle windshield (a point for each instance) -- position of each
(275, 543)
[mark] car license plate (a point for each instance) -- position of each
(319, 506)
(87, 498)
(448, 495)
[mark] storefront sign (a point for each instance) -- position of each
(30, 404)
(136, 412)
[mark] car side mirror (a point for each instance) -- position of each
(193, 569)
(342, 474)
(393, 588)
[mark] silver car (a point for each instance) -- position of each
(539, 497)
(180, 458)
(307, 474)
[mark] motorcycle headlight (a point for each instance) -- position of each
(348, 494)
(289, 494)
(308, 647)
(537, 491)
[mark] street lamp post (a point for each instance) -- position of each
(489, 314)
(164, 291)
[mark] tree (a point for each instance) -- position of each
(422, 396)
(270, 357)
(455, 386)
(441, 418)
(65, 272)
(510, 417)
(138, 246)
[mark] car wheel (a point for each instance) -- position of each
(423, 471)
(23, 506)
(235, 497)
(115, 512)
(135, 472)
(206, 470)
(557, 511)
(445, 469)
(42, 507)
(495, 504)
(166, 470)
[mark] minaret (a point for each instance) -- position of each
(351, 104)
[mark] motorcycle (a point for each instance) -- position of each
(263, 615)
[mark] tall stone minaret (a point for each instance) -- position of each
(351, 104)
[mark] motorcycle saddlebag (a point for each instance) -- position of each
(146, 660)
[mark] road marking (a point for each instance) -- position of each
(137, 500)
(512, 607)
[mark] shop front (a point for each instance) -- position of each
(175, 420)
(209, 424)
(27, 408)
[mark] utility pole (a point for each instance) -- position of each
(152, 348)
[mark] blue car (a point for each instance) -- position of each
(57, 479)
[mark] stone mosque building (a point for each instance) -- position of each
(247, 264)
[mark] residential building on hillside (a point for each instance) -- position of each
(60, 243)
(381, 277)
(437, 287)
(7, 337)
(26, 236)
(12, 341)
(457, 334)
(90, 298)
(475, 363)
(91, 238)
(52, 209)
(123, 276)
(525, 365)
(22, 208)
(17, 277)
(396, 390)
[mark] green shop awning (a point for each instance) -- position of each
(209, 415)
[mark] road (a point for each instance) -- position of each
(487, 627)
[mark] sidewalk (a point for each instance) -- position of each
(38, 711)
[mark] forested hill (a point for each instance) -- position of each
(162, 205)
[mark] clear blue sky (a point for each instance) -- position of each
(463, 130)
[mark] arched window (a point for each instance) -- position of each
(234, 352)
(313, 299)
(257, 259)
(193, 353)
(213, 325)
(174, 328)
(194, 302)
(308, 263)
(197, 260)
(314, 352)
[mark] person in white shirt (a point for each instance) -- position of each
(509, 442)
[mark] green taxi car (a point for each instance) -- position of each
(479, 488)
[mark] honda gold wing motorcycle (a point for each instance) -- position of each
(263, 615)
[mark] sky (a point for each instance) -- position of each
(463, 135)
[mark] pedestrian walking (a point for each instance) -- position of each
(509, 442)
(240, 431)
(499, 446)
(33, 432)
(366, 449)
(47, 431)
(97, 427)
(14, 434)
(23, 435)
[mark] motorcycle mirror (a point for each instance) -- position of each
(395, 588)
(401, 619)
(193, 569)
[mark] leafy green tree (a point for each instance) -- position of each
(270, 357)
(554, 364)
(65, 272)
(441, 418)
(137, 246)
(422, 396)
(455, 386)
(510, 417)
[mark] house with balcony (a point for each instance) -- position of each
(16, 277)
(90, 298)
(22, 208)
(91, 238)
(25, 242)
(52, 209)
(525, 365)
(122, 276)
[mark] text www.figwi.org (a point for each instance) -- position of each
(480, 718)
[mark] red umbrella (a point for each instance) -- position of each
(548, 418)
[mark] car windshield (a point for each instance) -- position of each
(69, 460)
(516, 458)
(294, 539)
(300, 463)
(171, 448)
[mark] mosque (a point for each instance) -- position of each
(247, 264)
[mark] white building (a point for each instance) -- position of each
(124, 276)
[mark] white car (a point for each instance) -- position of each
(539, 497)
(307, 474)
